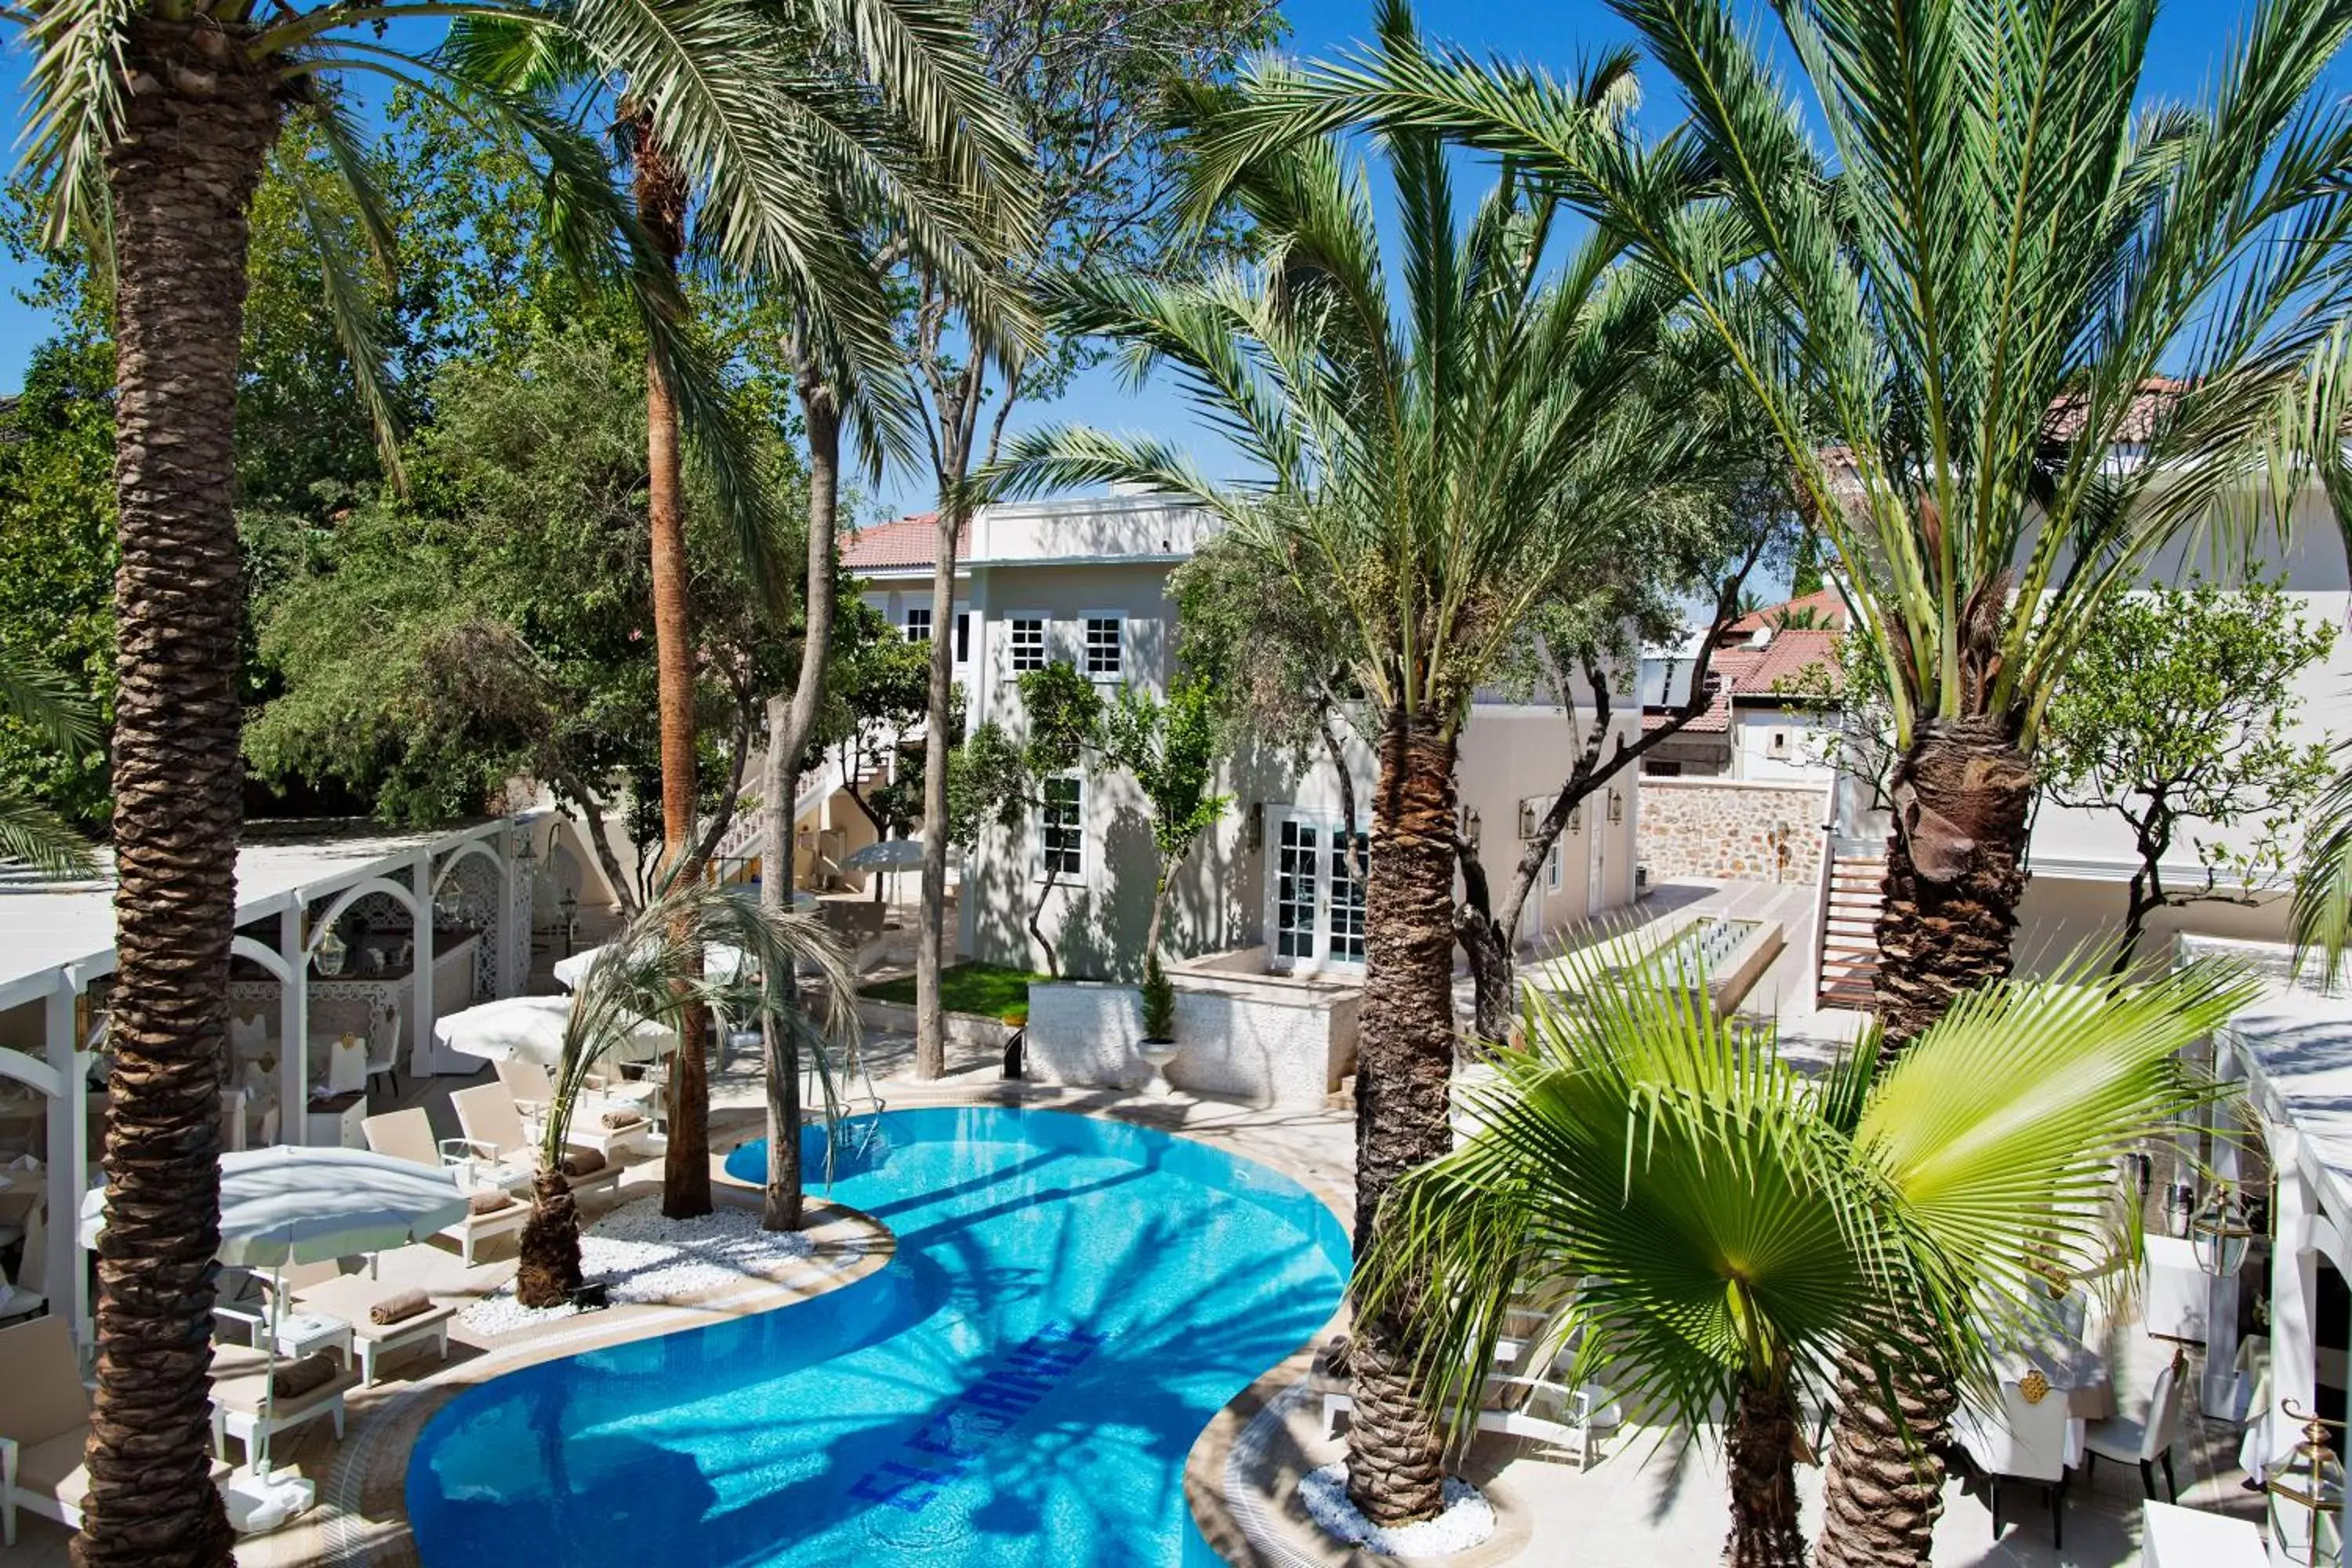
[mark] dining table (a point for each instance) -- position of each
(2065, 1363)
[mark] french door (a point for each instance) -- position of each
(1315, 893)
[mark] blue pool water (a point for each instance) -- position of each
(1070, 1301)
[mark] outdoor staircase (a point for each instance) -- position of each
(1852, 893)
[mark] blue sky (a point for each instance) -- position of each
(2192, 39)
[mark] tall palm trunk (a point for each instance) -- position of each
(789, 726)
(1954, 872)
(1762, 1459)
(1954, 878)
(930, 941)
(1396, 1460)
(661, 197)
(199, 122)
(548, 1270)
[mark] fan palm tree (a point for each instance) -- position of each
(151, 124)
(856, 171)
(30, 832)
(653, 969)
(1730, 1230)
(2017, 333)
(1430, 466)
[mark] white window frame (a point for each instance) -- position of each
(1555, 868)
(1044, 848)
(1329, 832)
(1015, 649)
(1087, 650)
(907, 622)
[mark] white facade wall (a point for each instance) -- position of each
(1782, 745)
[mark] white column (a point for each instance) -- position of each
(503, 928)
(68, 1282)
(293, 1027)
(2294, 1286)
(420, 986)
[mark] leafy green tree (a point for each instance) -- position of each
(1431, 466)
(56, 570)
(999, 777)
(497, 622)
(1938, 1192)
(1088, 79)
(2178, 712)
(1173, 750)
(36, 697)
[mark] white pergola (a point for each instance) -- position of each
(56, 939)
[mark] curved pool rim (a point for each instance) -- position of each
(918, 1301)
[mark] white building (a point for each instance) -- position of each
(1087, 581)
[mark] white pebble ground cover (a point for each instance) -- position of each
(638, 1254)
(1466, 1521)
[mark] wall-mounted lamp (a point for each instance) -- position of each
(1616, 806)
(1470, 826)
(1253, 827)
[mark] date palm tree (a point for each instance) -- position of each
(653, 969)
(1430, 465)
(30, 833)
(1939, 1193)
(150, 123)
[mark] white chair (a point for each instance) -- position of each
(347, 1067)
(532, 1090)
(352, 1298)
(408, 1135)
(28, 1292)
(2026, 1439)
(244, 1408)
(2147, 1442)
(488, 1117)
(249, 1038)
(384, 1045)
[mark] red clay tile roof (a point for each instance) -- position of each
(1716, 721)
(908, 541)
(1827, 606)
(1783, 662)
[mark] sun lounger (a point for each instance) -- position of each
(408, 1135)
(242, 1409)
(351, 1296)
(44, 1427)
(488, 1115)
(527, 1085)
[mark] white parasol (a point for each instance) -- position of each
(286, 1205)
(530, 1028)
(720, 962)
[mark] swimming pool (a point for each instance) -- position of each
(1070, 1302)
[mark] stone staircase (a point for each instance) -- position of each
(1852, 890)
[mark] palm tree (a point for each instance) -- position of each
(849, 171)
(1430, 467)
(1940, 1194)
(151, 126)
(61, 717)
(653, 969)
(2000, 274)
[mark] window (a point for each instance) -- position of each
(1103, 639)
(1555, 868)
(1065, 823)
(963, 637)
(1294, 897)
(1347, 912)
(1028, 643)
(919, 624)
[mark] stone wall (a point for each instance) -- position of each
(1731, 830)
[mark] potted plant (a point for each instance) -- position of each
(1158, 1045)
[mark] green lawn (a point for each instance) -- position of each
(991, 990)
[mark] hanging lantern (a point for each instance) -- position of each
(2219, 1234)
(2180, 1206)
(2306, 1495)
(328, 959)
